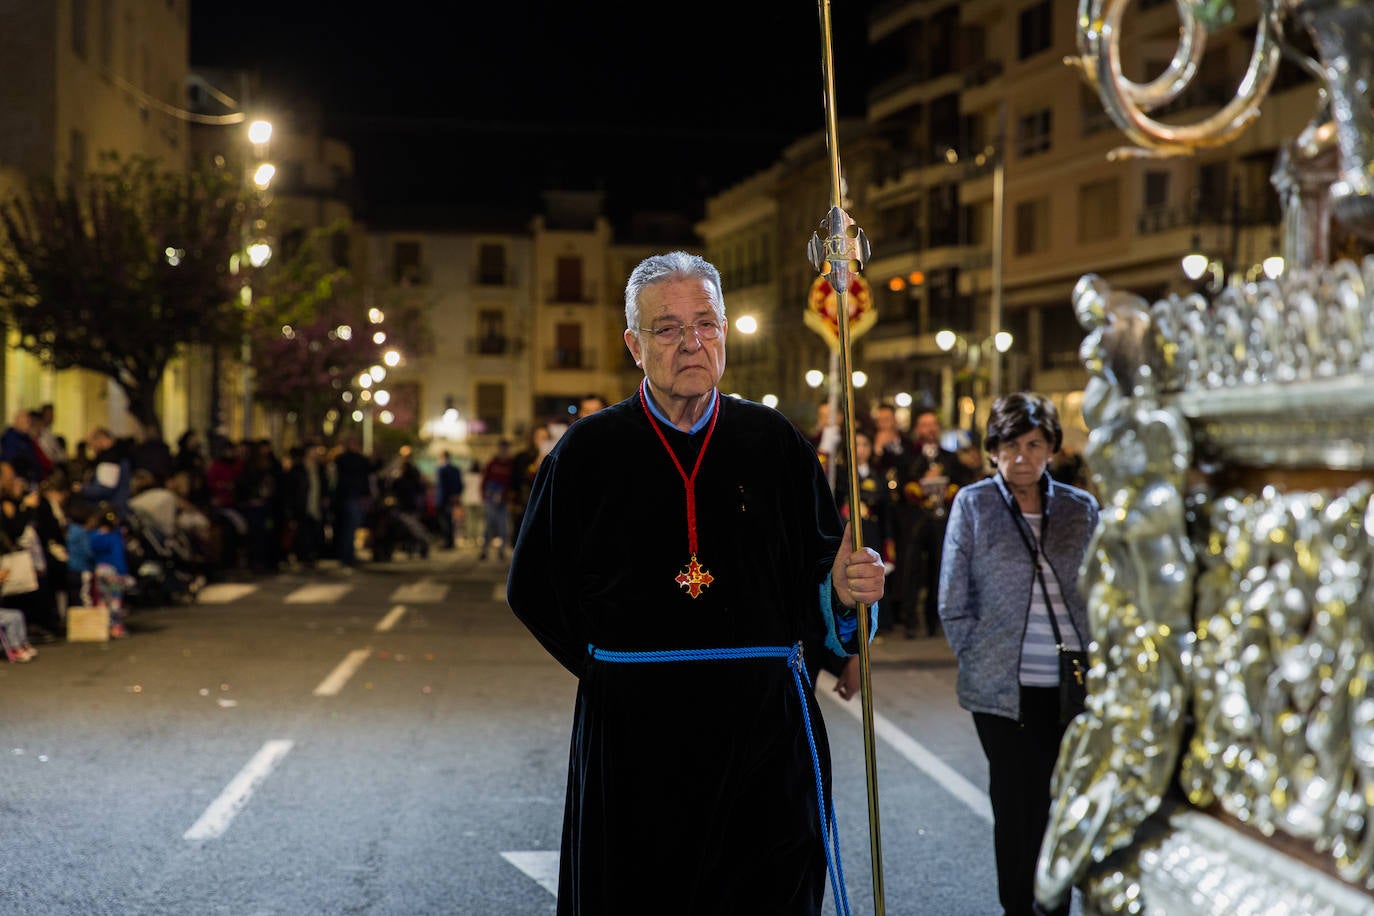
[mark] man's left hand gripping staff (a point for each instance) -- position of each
(857, 576)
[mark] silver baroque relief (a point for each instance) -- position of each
(1284, 737)
(1259, 622)
(1117, 759)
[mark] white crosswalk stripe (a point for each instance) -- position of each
(318, 594)
(421, 592)
(224, 592)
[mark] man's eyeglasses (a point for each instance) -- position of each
(672, 334)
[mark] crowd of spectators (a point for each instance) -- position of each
(126, 522)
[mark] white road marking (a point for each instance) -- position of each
(915, 752)
(331, 685)
(541, 866)
(422, 592)
(318, 594)
(390, 620)
(224, 592)
(222, 810)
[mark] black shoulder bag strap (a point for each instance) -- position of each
(1072, 662)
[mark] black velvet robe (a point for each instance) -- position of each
(690, 784)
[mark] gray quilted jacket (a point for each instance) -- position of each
(986, 579)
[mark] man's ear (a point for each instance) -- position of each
(632, 343)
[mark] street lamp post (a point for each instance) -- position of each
(973, 355)
(257, 251)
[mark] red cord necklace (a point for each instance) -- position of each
(694, 577)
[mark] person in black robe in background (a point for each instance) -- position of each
(691, 784)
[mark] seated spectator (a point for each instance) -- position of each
(14, 635)
(153, 501)
(111, 567)
(109, 480)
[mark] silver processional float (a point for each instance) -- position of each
(841, 252)
(1225, 762)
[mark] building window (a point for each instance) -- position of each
(80, 28)
(76, 159)
(106, 37)
(491, 264)
(405, 262)
(1033, 133)
(1156, 189)
(491, 407)
(491, 332)
(568, 280)
(1034, 31)
(1099, 210)
(1033, 226)
(567, 353)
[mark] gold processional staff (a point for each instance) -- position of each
(842, 252)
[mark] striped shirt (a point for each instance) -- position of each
(1039, 650)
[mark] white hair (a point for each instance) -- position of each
(671, 266)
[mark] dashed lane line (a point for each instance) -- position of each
(230, 802)
(391, 619)
(337, 678)
(541, 866)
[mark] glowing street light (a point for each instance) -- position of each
(259, 253)
(746, 324)
(382, 397)
(770, 400)
(902, 399)
(814, 378)
(392, 358)
(377, 373)
(259, 132)
(263, 175)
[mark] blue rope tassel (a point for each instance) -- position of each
(830, 831)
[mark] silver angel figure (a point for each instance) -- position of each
(1117, 759)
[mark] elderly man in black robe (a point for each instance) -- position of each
(678, 549)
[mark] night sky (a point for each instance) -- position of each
(465, 107)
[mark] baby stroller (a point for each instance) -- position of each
(394, 530)
(164, 566)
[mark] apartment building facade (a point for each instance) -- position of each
(77, 80)
(477, 290)
(960, 87)
(961, 91)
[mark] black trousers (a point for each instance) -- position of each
(1021, 757)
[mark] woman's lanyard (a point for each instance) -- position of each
(1037, 554)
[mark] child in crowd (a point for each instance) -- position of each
(14, 635)
(111, 568)
(80, 563)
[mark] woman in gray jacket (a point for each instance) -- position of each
(996, 615)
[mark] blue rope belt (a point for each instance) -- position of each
(830, 831)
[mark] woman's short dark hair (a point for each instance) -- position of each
(1017, 414)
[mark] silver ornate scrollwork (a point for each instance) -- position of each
(1128, 103)
(1340, 31)
(1284, 700)
(1117, 759)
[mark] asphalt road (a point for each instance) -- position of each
(391, 741)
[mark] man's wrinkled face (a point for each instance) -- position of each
(678, 365)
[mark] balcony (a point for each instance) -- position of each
(558, 359)
(413, 275)
(495, 345)
(982, 74)
(504, 277)
(568, 294)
